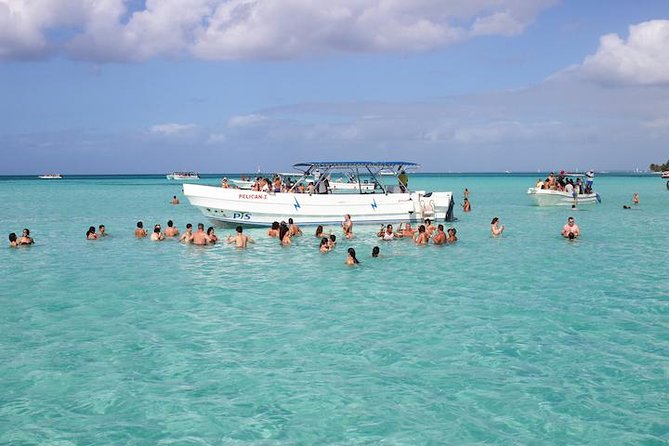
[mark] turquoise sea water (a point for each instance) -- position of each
(527, 339)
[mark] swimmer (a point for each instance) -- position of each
(635, 198)
(626, 207)
(332, 241)
(319, 231)
(571, 228)
(26, 239)
(140, 232)
(429, 227)
(375, 251)
(13, 242)
(157, 235)
(421, 237)
(466, 193)
(440, 237)
(90, 234)
(495, 229)
(274, 230)
(350, 258)
(200, 237)
(407, 231)
(347, 226)
(171, 231)
(175, 200)
(386, 233)
(187, 237)
(240, 240)
(452, 238)
(284, 234)
(466, 205)
(211, 236)
(102, 231)
(325, 245)
(294, 229)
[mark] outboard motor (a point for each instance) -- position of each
(451, 204)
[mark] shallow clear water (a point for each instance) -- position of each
(527, 339)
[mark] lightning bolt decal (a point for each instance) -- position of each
(297, 204)
(374, 205)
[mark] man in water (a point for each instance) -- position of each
(175, 200)
(13, 241)
(440, 237)
(421, 237)
(200, 237)
(140, 232)
(571, 228)
(157, 235)
(102, 231)
(240, 240)
(187, 237)
(407, 231)
(294, 229)
(171, 231)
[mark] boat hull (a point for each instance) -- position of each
(234, 206)
(544, 197)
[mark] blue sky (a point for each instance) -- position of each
(114, 86)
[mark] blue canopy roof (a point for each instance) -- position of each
(348, 164)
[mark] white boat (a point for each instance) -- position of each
(183, 176)
(551, 197)
(52, 176)
(384, 204)
(665, 174)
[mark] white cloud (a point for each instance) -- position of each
(171, 129)
(105, 30)
(246, 120)
(641, 60)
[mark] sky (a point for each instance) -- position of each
(154, 86)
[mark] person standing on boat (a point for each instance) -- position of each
(589, 178)
(403, 181)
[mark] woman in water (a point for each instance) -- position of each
(319, 231)
(466, 206)
(90, 234)
(495, 229)
(375, 251)
(325, 245)
(213, 238)
(284, 234)
(347, 226)
(351, 259)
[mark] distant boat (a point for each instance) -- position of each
(507, 171)
(182, 176)
(553, 197)
(51, 176)
(665, 174)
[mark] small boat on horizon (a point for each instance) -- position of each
(665, 174)
(51, 176)
(183, 176)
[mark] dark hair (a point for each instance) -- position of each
(210, 229)
(188, 225)
(156, 230)
(27, 231)
(324, 241)
(101, 226)
(283, 230)
(319, 229)
(333, 237)
(200, 226)
(170, 223)
(421, 228)
(351, 252)
(571, 236)
(290, 221)
(12, 237)
(494, 220)
(375, 251)
(140, 225)
(91, 230)
(428, 221)
(440, 227)
(275, 225)
(455, 231)
(239, 229)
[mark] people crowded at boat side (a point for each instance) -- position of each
(565, 183)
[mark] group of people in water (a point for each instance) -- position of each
(199, 237)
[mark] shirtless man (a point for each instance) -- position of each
(347, 226)
(175, 200)
(294, 229)
(187, 237)
(13, 242)
(26, 239)
(140, 232)
(440, 237)
(171, 231)
(157, 234)
(102, 231)
(421, 237)
(571, 228)
(407, 231)
(240, 240)
(274, 230)
(200, 237)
